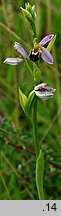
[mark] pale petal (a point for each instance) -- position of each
(44, 87)
(43, 95)
(20, 49)
(13, 61)
(46, 56)
(48, 97)
(40, 87)
(46, 39)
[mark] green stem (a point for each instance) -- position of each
(29, 68)
(37, 147)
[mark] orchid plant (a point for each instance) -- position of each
(42, 90)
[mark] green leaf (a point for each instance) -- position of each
(39, 175)
(30, 101)
(49, 47)
(23, 100)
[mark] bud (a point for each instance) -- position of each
(27, 14)
(31, 9)
(28, 7)
(34, 11)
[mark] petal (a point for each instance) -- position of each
(44, 88)
(48, 96)
(43, 95)
(13, 61)
(40, 86)
(20, 49)
(46, 39)
(46, 56)
(50, 89)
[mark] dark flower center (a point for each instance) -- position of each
(34, 56)
(42, 90)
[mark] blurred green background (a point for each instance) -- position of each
(17, 153)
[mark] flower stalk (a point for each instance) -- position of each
(35, 133)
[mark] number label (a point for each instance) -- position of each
(52, 207)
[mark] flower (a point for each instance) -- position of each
(0, 119)
(44, 91)
(34, 55)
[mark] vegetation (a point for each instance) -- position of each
(17, 150)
